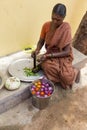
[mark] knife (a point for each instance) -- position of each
(36, 68)
(34, 61)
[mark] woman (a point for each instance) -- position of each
(57, 61)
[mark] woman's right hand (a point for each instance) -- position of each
(38, 48)
(34, 53)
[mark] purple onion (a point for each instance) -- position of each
(44, 80)
(46, 92)
(50, 88)
(37, 93)
(32, 89)
(43, 86)
(42, 89)
(51, 91)
(46, 88)
(45, 95)
(33, 86)
(47, 85)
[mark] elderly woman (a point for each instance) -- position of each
(57, 61)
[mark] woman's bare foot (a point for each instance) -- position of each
(77, 77)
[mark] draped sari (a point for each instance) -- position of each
(58, 69)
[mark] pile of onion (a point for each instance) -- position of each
(42, 88)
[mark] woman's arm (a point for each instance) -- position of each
(38, 48)
(40, 44)
(64, 53)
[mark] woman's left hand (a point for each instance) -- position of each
(41, 57)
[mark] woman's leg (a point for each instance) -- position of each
(50, 69)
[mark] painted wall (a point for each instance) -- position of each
(21, 21)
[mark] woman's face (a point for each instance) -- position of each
(57, 19)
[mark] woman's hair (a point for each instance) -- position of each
(59, 9)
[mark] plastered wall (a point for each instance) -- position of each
(21, 21)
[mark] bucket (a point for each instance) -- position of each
(41, 99)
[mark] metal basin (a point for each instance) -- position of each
(16, 69)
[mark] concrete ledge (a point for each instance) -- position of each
(78, 56)
(81, 64)
(10, 99)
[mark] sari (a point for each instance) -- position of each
(58, 69)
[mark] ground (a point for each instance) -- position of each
(67, 111)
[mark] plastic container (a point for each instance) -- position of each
(42, 102)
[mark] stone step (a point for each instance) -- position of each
(9, 99)
(78, 56)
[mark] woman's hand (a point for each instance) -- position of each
(34, 53)
(38, 48)
(41, 57)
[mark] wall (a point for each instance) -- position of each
(21, 21)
